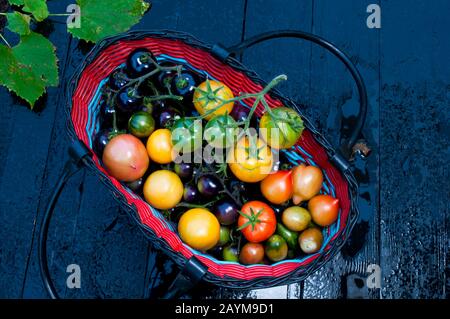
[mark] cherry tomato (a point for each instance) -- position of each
(186, 135)
(159, 146)
(226, 211)
(324, 209)
(296, 218)
(141, 124)
(221, 131)
(257, 221)
(199, 228)
(307, 181)
(224, 236)
(290, 237)
(251, 253)
(250, 160)
(125, 158)
(209, 95)
(281, 128)
(139, 62)
(276, 248)
(230, 253)
(277, 187)
(310, 240)
(163, 189)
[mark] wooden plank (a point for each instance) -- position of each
(414, 139)
(280, 56)
(25, 145)
(333, 101)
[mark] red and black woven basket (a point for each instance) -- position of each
(83, 96)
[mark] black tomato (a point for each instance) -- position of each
(128, 100)
(136, 186)
(166, 116)
(184, 170)
(139, 63)
(101, 139)
(190, 193)
(209, 186)
(226, 211)
(118, 79)
(184, 85)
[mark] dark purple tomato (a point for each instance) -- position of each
(226, 211)
(139, 63)
(106, 114)
(184, 85)
(128, 100)
(164, 78)
(136, 186)
(239, 112)
(216, 251)
(101, 139)
(209, 186)
(165, 116)
(190, 194)
(118, 79)
(184, 170)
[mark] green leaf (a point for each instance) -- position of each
(101, 18)
(19, 23)
(28, 68)
(38, 8)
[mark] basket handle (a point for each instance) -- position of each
(79, 155)
(223, 53)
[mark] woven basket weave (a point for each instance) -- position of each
(83, 96)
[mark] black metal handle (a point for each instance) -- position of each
(78, 157)
(223, 54)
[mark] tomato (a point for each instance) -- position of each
(324, 209)
(224, 235)
(208, 97)
(281, 128)
(221, 131)
(125, 158)
(277, 187)
(141, 124)
(310, 240)
(159, 146)
(257, 221)
(250, 160)
(187, 135)
(251, 253)
(290, 237)
(163, 189)
(276, 248)
(296, 218)
(199, 228)
(307, 181)
(230, 253)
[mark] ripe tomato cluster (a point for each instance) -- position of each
(245, 205)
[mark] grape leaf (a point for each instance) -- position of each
(38, 8)
(18, 23)
(29, 67)
(101, 18)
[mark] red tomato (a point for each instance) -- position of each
(277, 187)
(251, 253)
(324, 209)
(125, 158)
(257, 221)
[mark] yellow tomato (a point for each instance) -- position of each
(250, 160)
(199, 228)
(159, 146)
(163, 189)
(209, 95)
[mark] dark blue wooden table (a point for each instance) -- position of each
(404, 184)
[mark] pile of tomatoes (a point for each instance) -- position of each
(251, 208)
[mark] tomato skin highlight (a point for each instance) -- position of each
(124, 158)
(251, 253)
(324, 209)
(163, 189)
(199, 229)
(277, 187)
(260, 220)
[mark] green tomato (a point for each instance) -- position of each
(290, 237)
(186, 135)
(230, 253)
(281, 128)
(141, 124)
(224, 236)
(221, 131)
(276, 248)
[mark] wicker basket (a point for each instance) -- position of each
(83, 96)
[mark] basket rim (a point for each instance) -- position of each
(260, 282)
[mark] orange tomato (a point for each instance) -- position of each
(159, 146)
(163, 189)
(209, 95)
(199, 228)
(277, 187)
(324, 209)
